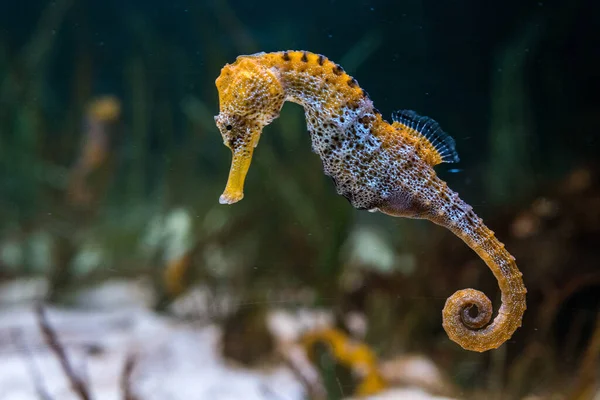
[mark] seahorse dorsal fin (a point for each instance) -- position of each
(436, 145)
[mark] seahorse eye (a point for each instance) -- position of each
(229, 127)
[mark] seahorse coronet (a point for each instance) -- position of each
(376, 165)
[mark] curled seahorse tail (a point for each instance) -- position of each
(467, 313)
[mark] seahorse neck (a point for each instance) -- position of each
(308, 90)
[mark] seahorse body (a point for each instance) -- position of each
(376, 165)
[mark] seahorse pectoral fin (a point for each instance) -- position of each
(240, 163)
(436, 146)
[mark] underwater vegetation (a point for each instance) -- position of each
(110, 167)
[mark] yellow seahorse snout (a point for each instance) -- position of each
(242, 140)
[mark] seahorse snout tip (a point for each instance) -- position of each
(230, 198)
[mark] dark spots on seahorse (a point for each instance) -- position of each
(376, 111)
(304, 57)
(285, 56)
(321, 59)
(338, 70)
(352, 83)
(352, 105)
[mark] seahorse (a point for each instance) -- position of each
(376, 165)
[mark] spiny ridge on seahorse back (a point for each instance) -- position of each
(376, 165)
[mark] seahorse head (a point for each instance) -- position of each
(250, 97)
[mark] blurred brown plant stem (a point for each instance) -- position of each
(90, 177)
(77, 383)
(92, 172)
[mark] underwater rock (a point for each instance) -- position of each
(405, 394)
(416, 371)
